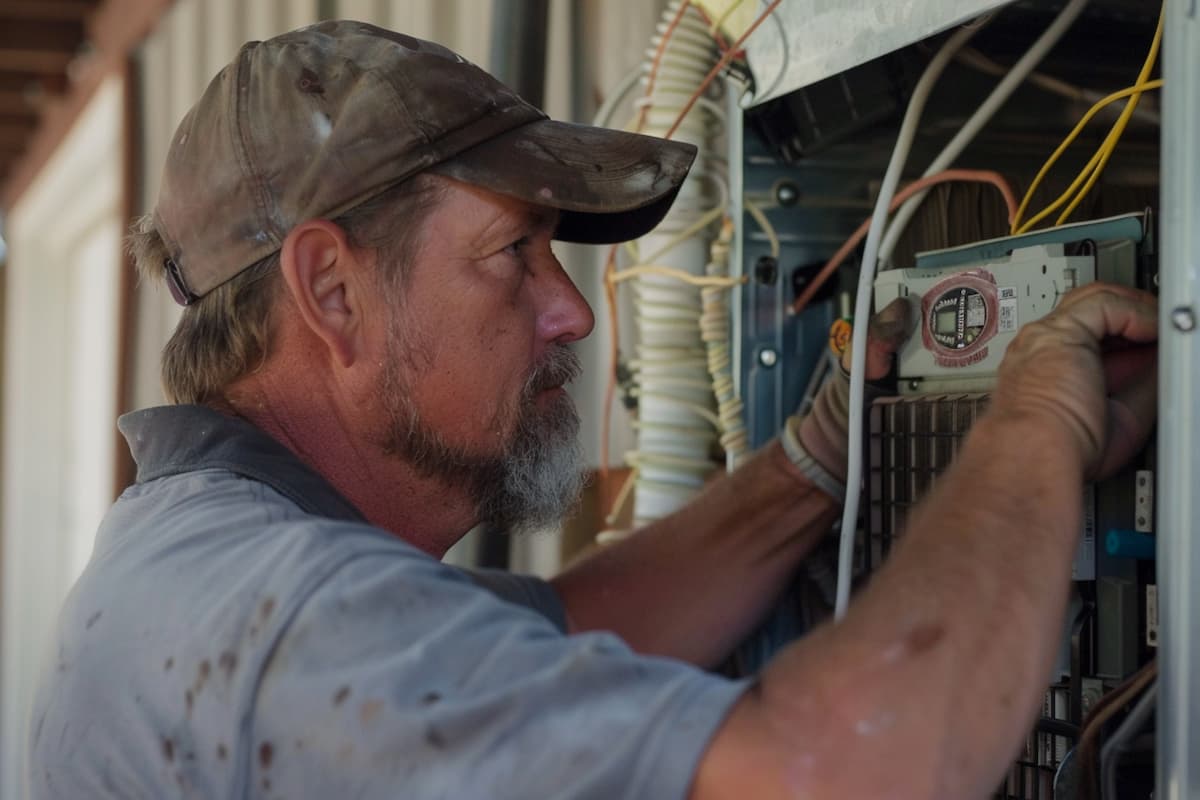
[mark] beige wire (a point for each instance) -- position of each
(673, 272)
(763, 222)
(695, 408)
(706, 219)
(620, 500)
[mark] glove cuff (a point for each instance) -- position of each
(808, 466)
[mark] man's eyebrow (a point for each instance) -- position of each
(512, 223)
(544, 218)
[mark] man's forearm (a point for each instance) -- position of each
(941, 661)
(691, 586)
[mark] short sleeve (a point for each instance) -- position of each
(403, 678)
(524, 590)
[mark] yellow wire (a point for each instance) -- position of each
(1091, 172)
(1118, 129)
(767, 227)
(1018, 227)
(719, 21)
(677, 274)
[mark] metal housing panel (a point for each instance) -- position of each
(1179, 410)
(814, 39)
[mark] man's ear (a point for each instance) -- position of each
(320, 270)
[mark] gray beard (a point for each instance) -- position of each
(539, 474)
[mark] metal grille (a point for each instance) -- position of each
(912, 439)
(1031, 777)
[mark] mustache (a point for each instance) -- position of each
(558, 367)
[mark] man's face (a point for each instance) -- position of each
(476, 359)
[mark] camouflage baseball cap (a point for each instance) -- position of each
(314, 122)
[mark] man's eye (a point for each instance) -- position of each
(516, 247)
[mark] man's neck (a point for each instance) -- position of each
(425, 512)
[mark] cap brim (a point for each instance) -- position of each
(612, 186)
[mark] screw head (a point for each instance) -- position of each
(914, 384)
(768, 357)
(787, 194)
(1183, 318)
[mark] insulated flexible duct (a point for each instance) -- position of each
(677, 419)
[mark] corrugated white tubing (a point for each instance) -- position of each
(676, 409)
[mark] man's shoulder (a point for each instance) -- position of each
(216, 539)
(176, 617)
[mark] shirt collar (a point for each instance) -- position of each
(171, 440)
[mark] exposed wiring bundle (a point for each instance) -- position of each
(717, 332)
(971, 128)
(916, 187)
(680, 282)
(676, 416)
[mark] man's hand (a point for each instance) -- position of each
(823, 431)
(1088, 367)
(932, 677)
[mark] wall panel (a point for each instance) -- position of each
(59, 409)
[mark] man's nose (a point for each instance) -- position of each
(565, 315)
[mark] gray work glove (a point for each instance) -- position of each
(822, 432)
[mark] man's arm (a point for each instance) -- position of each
(926, 687)
(693, 585)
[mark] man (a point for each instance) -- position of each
(372, 360)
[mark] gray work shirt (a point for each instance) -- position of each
(241, 631)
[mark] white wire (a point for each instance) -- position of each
(1004, 89)
(862, 306)
(604, 114)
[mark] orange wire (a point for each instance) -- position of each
(652, 75)
(950, 175)
(610, 289)
(730, 54)
(610, 263)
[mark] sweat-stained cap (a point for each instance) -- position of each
(315, 122)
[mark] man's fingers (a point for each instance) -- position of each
(1131, 380)
(886, 332)
(1088, 366)
(892, 325)
(1128, 365)
(1130, 417)
(1108, 311)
